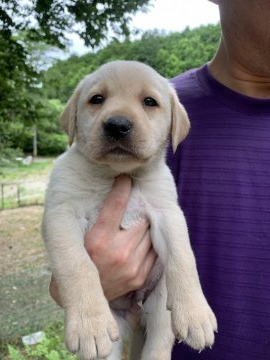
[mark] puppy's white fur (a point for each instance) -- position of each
(79, 183)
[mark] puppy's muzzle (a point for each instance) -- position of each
(117, 127)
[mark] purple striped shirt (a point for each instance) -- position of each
(222, 172)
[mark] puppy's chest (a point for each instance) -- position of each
(138, 208)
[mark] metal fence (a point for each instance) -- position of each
(16, 194)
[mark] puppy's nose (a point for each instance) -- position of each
(117, 127)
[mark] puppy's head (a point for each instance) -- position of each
(122, 114)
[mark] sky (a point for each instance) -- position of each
(176, 15)
(168, 15)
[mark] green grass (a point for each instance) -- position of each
(22, 185)
(23, 194)
(16, 171)
(50, 348)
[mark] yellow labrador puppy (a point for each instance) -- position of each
(121, 117)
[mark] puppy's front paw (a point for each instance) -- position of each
(89, 334)
(193, 322)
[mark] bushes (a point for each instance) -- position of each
(51, 144)
(51, 140)
(8, 156)
(50, 348)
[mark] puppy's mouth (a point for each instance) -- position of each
(119, 153)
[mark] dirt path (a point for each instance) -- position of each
(20, 241)
(25, 304)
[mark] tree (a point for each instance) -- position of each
(51, 20)
(24, 25)
(170, 54)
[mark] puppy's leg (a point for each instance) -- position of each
(90, 325)
(192, 319)
(159, 335)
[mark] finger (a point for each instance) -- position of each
(137, 233)
(143, 260)
(149, 262)
(115, 204)
(146, 253)
(144, 270)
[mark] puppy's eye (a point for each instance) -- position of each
(149, 101)
(97, 99)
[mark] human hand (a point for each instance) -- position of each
(124, 258)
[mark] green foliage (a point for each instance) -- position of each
(51, 139)
(169, 54)
(8, 156)
(27, 28)
(18, 133)
(16, 81)
(52, 144)
(50, 348)
(52, 20)
(61, 79)
(14, 354)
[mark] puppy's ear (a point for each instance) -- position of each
(69, 115)
(180, 121)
